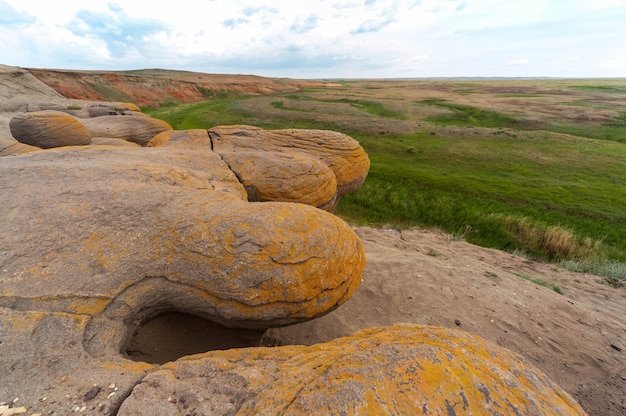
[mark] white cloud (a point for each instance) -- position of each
(518, 62)
(329, 38)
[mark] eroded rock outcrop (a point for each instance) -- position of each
(118, 223)
(97, 239)
(46, 126)
(404, 369)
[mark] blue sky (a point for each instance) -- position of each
(322, 38)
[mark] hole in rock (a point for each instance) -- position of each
(171, 335)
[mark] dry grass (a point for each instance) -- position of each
(555, 241)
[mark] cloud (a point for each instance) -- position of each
(9, 16)
(251, 11)
(325, 38)
(374, 25)
(518, 62)
(119, 31)
(461, 7)
(306, 25)
(235, 23)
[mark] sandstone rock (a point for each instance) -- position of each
(404, 369)
(179, 138)
(11, 148)
(112, 141)
(284, 177)
(138, 129)
(128, 233)
(239, 146)
(97, 110)
(47, 129)
(19, 87)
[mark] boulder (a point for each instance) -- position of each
(97, 240)
(403, 369)
(103, 109)
(268, 175)
(141, 230)
(47, 129)
(136, 128)
(255, 153)
(277, 176)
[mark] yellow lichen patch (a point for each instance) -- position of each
(160, 139)
(128, 366)
(26, 321)
(407, 370)
(88, 306)
(104, 251)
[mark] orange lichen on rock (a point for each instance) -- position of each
(128, 233)
(176, 214)
(404, 369)
(264, 161)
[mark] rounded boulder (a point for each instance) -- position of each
(398, 370)
(48, 129)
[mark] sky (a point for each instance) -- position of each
(321, 39)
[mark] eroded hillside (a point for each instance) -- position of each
(152, 87)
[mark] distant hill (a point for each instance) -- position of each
(152, 87)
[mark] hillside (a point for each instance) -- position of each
(151, 87)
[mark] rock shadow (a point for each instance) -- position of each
(172, 335)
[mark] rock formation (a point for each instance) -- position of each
(97, 239)
(339, 152)
(47, 129)
(315, 167)
(404, 370)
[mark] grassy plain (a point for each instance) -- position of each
(529, 166)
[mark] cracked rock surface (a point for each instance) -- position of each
(95, 240)
(402, 369)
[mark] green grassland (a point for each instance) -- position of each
(535, 167)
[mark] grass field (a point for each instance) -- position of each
(535, 166)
